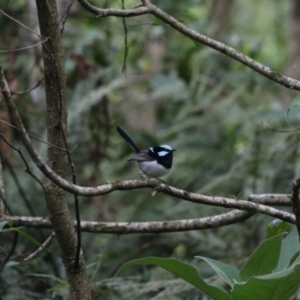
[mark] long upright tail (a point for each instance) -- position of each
(128, 139)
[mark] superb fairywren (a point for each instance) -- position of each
(153, 162)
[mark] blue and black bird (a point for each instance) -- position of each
(155, 161)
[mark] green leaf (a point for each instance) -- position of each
(263, 260)
(295, 102)
(276, 286)
(228, 273)
(2, 224)
(29, 237)
(276, 227)
(290, 246)
(182, 270)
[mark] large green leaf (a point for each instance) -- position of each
(263, 260)
(182, 270)
(228, 273)
(276, 286)
(290, 246)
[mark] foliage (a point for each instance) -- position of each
(262, 276)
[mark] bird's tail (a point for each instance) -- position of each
(128, 139)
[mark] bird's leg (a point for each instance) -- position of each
(163, 182)
(154, 189)
(144, 177)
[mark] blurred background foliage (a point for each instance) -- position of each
(212, 109)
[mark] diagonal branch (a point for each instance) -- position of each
(21, 24)
(41, 248)
(28, 170)
(30, 89)
(149, 8)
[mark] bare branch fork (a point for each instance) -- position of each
(148, 8)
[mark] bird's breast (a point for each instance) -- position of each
(152, 168)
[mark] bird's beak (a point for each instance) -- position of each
(173, 150)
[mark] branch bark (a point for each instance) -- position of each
(224, 219)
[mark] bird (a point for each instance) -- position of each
(153, 162)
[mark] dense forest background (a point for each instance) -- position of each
(168, 90)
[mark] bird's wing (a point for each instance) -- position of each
(141, 156)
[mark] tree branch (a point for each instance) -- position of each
(100, 12)
(271, 199)
(149, 8)
(40, 249)
(224, 219)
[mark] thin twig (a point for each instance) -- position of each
(30, 208)
(6, 205)
(24, 48)
(16, 234)
(28, 170)
(31, 135)
(40, 249)
(65, 16)
(19, 187)
(125, 41)
(11, 251)
(29, 90)
(21, 24)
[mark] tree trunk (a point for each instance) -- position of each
(56, 125)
